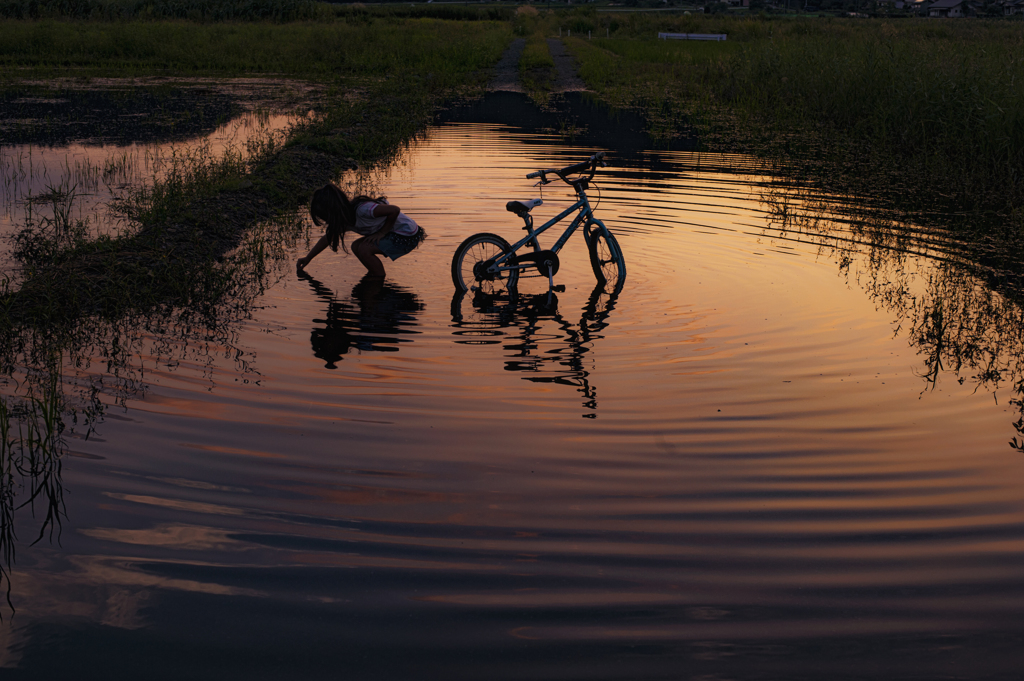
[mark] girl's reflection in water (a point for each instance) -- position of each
(517, 322)
(372, 319)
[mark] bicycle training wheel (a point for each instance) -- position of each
(606, 257)
(469, 259)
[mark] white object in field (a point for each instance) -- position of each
(692, 36)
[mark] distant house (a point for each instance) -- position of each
(893, 4)
(947, 8)
(1011, 7)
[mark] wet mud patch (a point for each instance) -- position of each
(122, 111)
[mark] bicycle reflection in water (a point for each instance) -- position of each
(516, 322)
(373, 319)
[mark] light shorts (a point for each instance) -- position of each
(395, 246)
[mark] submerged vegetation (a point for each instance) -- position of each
(960, 311)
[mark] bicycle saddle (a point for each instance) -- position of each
(520, 207)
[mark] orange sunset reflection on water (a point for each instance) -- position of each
(741, 462)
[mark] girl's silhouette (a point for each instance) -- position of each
(384, 228)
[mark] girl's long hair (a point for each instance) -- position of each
(331, 206)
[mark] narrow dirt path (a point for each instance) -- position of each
(506, 72)
(566, 78)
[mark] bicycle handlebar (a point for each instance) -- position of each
(590, 164)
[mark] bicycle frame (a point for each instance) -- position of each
(585, 214)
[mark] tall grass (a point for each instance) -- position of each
(938, 104)
(372, 48)
(234, 10)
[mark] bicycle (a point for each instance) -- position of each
(487, 262)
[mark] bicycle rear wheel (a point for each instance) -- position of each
(606, 257)
(470, 260)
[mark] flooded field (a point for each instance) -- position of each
(77, 150)
(781, 451)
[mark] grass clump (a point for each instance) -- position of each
(536, 66)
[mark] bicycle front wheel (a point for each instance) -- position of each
(606, 257)
(470, 261)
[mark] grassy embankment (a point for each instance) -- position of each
(934, 110)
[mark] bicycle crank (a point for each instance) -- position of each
(545, 261)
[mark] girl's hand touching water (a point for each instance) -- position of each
(373, 219)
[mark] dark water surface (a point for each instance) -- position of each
(756, 461)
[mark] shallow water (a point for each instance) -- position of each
(96, 173)
(752, 462)
(71, 154)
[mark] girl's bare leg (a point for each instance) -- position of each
(367, 254)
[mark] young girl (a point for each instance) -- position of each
(385, 229)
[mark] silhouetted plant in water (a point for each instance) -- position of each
(51, 236)
(51, 388)
(963, 315)
(31, 446)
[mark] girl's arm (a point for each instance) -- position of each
(390, 215)
(313, 252)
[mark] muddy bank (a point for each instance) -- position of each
(48, 117)
(126, 110)
(167, 262)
